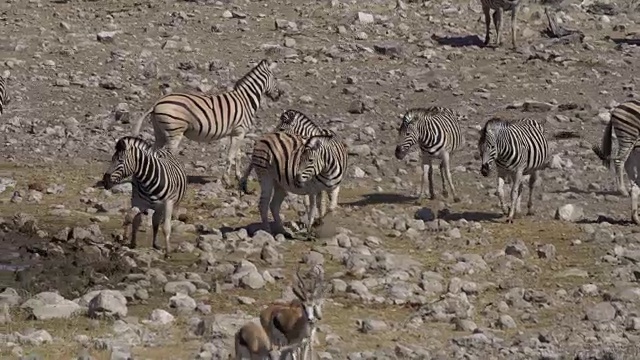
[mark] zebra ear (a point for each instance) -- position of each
(120, 145)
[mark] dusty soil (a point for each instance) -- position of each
(75, 90)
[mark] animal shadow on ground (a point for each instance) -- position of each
(471, 216)
(619, 41)
(458, 41)
(198, 179)
(381, 198)
(603, 218)
(574, 190)
(252, 228)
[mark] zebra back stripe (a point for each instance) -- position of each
(519, 144)
(157, 175)
(213, 117)
(433, 128)
(281, 152)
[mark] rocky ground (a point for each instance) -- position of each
(436, 280)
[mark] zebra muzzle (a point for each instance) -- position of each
(485, 170)
(106, 180)
(400, 154)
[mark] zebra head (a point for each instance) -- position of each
(260, 80)
(487, 145)
(123, 160)
(406, 136)
(312, 160)
(295, 122)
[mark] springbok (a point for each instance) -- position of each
(294, 323)
(252, 342)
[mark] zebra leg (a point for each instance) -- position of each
(311, 211)
(156, 220)
(487, 23)
(534, 182)
(279, 194)
(517, 182)
(266, 192)
(635, 191)
(235, 143)
(497, 22)
(500, 194)
(514, 15)
(166, 226)
(445, 170)
(624, 150)
(135, 226)
(519, 198)
(333, 198)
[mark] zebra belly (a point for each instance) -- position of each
(312, 187)
(144, 204)
(208, 136)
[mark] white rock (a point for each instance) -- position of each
(569, 212)
(161, 317)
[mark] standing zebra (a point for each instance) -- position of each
(304, 166)
(518, 148)
(159, 183)
(4, 96)
(436, 130)
(498, 7)
(625, 120)
(208, 118)
(632, 168)
(295, 122)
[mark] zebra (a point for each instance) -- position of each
(632, 168)
(295, 122)
(518, 148)
(625, 121)
(207, 118)
(304, 166)
(159, 183)
(498, 7)
(4, 96)
(436, 131)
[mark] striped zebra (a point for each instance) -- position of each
(159, 183)
(498, 7)
(4, 96)
(632, 168)
(625, 121)
(518, 148)
(295, 122)
(208, 118)
(303, 166)
(436, 131)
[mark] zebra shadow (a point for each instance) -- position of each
(458, 41)
(199, 179)
(606, 219)
(619, 41)
(381, 198)
(478, 216)
(574, 190)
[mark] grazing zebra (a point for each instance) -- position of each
(632, 168)
(159, 183)
(436, 131)
(625, 121)
(498, 7)
(208, 118)
(4, 96)
(304, 166)
(518, 148)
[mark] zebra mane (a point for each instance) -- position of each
(291, 116)
(262, 66)
(421, 113)
(134, 141)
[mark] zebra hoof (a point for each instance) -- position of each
(157, 247)
(456, 199)
(509, 221)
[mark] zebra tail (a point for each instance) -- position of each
(604, 150)
(242, 184)
(138, 126)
